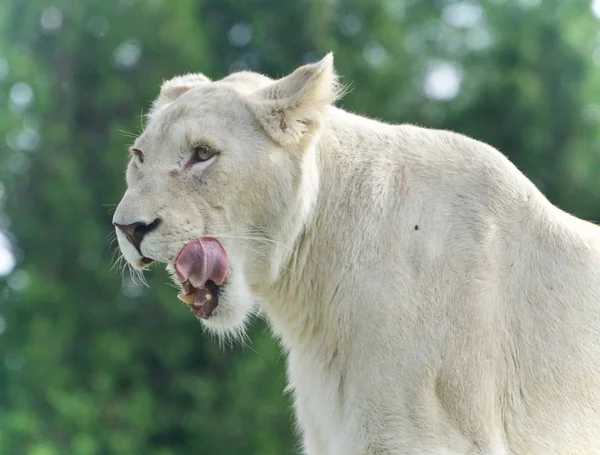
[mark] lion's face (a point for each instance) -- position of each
(230, 163)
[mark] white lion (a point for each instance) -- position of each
(430, 299)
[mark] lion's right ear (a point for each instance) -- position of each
(173, 88)
(291, 108)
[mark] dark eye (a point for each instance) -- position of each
(138, 154)
(202, 153)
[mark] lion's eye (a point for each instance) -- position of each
(202, 153)
(138, 154)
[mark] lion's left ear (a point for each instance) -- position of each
(291, 108)
(173, 88)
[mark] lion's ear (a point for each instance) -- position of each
(291, 108)
(173, 88)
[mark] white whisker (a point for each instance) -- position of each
(255, 238)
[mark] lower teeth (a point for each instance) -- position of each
(190, 299)
(186, 298)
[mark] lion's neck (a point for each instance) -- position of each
(313, 304)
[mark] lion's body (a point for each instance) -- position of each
(430, 299)
(439, 303)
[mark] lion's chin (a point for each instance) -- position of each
(235, 306)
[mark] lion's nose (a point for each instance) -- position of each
(135, 232)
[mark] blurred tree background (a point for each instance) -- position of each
(93, 362)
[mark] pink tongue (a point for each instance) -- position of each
(202, 260)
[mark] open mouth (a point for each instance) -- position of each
(202, 301)
(201, 267)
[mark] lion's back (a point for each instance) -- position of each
(496, 288)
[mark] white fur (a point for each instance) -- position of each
(430, 299)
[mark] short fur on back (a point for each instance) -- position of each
(430, 300)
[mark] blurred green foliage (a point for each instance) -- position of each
(92, 362)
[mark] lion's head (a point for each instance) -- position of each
(221, 181)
